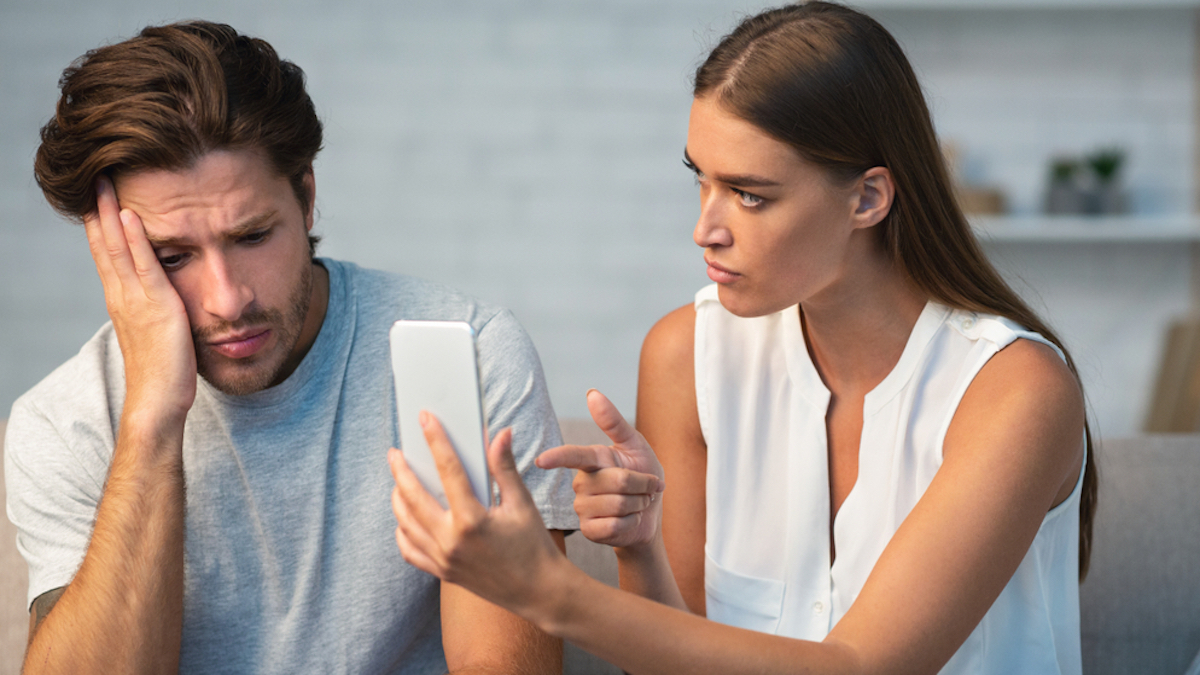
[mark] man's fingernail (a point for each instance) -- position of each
(423, 419)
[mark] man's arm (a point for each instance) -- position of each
(481, 638)
(123, 611)
(41, 607)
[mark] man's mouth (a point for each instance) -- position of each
(241, 345)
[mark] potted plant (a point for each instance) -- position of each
(1063, 194)
(1107, 195)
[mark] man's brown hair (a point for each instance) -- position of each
(163, 99)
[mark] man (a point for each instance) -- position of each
(204, 487)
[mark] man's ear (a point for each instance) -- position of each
(310, 192)
(874, 192)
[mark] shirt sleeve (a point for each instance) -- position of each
(515, 395)
(53, 490)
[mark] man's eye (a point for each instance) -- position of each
(170, 262)
(255, 237)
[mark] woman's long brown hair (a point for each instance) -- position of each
(836, 86)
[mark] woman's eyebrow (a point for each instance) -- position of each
(740, 180)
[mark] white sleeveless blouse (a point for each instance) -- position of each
(762, 411)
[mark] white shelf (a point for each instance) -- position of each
(1025, 4)
(1084, 229)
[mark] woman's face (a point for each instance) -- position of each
(775, 228)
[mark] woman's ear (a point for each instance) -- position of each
(874, 191)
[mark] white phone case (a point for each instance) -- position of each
(434, 368)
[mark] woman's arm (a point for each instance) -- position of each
(1012, 450)
(611, 496)
(668, 418)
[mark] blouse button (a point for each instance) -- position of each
(818, 607)
(968, 323)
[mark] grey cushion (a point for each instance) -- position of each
(1140, 605)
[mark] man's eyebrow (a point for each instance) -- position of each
(739, 180)
(240, 230)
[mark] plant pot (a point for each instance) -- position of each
(1064, 198)
(1110, 199)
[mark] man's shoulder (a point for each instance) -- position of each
(91, 380)
(392, 296)
(69, 419)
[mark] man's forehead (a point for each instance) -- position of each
(225, 189)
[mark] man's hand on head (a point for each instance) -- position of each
(148, 315)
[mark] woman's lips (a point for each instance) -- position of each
(720, 274)
(241, 347)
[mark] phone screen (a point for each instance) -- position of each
(434, 368)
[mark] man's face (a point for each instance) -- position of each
(233, 241)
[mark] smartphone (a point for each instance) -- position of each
(434, 368)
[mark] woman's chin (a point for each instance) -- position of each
(746, 305)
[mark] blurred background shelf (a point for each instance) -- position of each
(529, 155)
(1025, 4)
(1088, 229)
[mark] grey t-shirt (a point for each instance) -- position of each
(291, 564)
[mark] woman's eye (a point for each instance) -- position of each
(749, 200)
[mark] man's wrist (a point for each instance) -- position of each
(151, 434)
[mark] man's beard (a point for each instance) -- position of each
(287, 328)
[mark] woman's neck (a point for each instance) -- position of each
(856, 330)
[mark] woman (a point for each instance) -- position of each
(871, 446)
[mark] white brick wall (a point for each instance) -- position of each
(529, 152)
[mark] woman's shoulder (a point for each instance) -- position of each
(1024, 408)
(1031, 369)
(670, 340)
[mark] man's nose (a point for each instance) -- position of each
(226, 294)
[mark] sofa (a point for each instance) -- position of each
(1140, 605)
